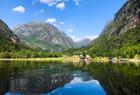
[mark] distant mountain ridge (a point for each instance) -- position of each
(44, 36)
(83, 43)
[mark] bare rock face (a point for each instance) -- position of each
(43, 35)
(128, 17)
(7, 34)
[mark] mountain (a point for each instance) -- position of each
(8, 40)
(43, 35)
(121, 37)
(83, 43)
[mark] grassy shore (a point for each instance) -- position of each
(32, 59)
(64, 58)
(105, 59)
(70, 59)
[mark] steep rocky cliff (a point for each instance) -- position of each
(43, 35)
(128, 17)
(122, 35)
(8, 39)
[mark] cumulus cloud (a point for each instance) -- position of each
(76, 39)
(47, 1)
(77, 2)
(40, 11)
(54, 22)
(51, 20)
(33, 2)
(61, 22)
(92, 37)
(56, 25)
(60, 5)
(70, 30)
(19, 9)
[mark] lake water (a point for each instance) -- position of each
(57, 78)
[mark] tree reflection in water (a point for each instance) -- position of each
(31, 78)
(117, 79)
(69, 78)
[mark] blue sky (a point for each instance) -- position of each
(77, 18)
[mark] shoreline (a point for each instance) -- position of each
(32, 59)
(68, 59)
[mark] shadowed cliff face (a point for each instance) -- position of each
(6, 33)
(43, 35)
(7, 38)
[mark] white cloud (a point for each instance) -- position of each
(33, 2)
(19, 9)
(51, 20)
(54, 22)
(41, 11)
(92, 37)
(76, 39)
(47, 1)
(77, 2)
(61, 5)
(70, 30)
(61, 22)
(56, 25)
(58, 3)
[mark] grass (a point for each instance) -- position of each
(67, 59)
(33, 59)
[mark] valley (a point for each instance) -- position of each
(70, 53)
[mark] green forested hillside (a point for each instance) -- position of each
(8, 40)
(126, 45)
(11, 47)
(121, 37)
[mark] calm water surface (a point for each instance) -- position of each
(46, 78)
(56, 78)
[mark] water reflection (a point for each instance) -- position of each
(81, 84)
(34, 78)
(117, 79)
(83, 62)
(56, 78)
(37, 78)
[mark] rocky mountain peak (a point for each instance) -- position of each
(43, 35)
